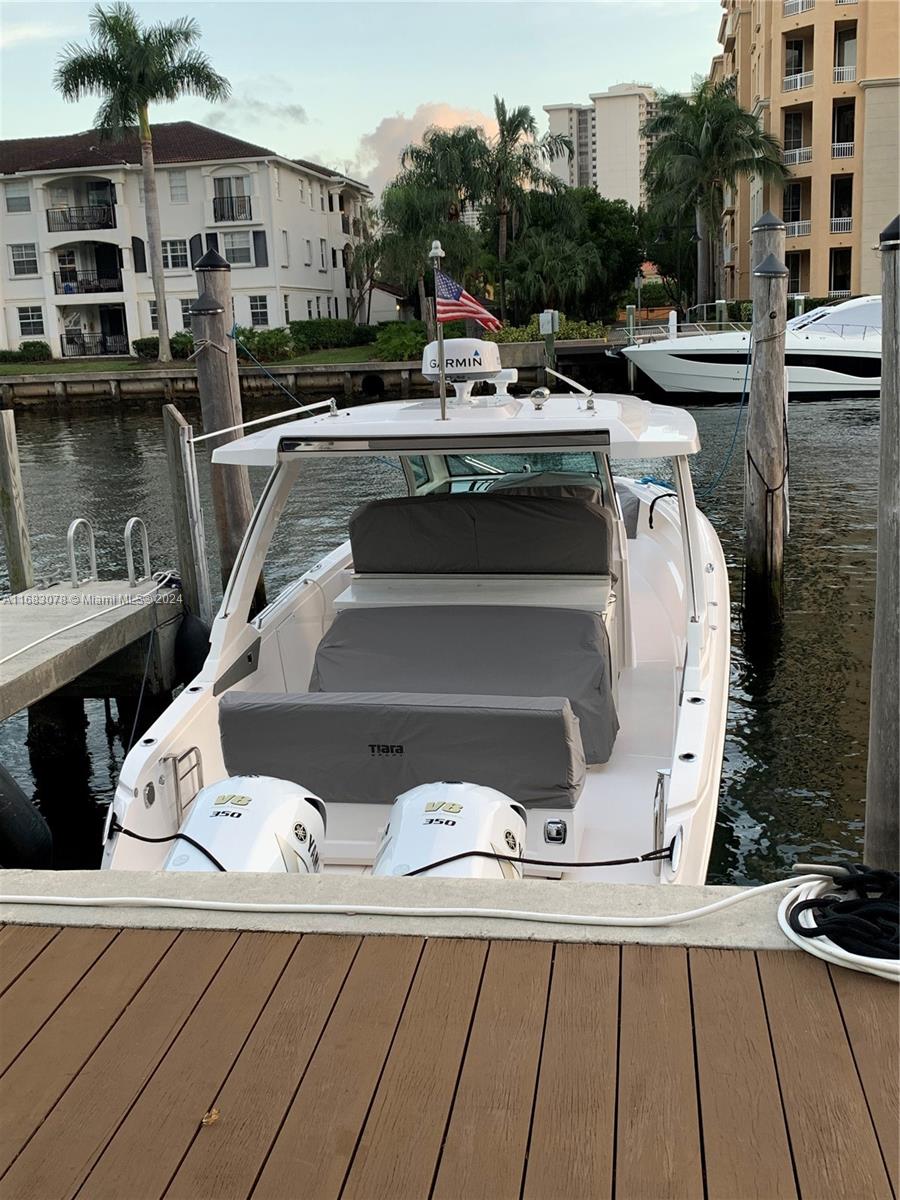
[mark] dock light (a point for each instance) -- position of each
(771, 268)
(206, 305)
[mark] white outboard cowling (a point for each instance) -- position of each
(435, 821)
(252, 823)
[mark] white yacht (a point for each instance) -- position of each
(830, 351)
(520, 666)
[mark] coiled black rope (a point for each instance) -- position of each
(861, 915)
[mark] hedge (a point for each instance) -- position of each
(181, 344)
(330, 333)
(28, 352)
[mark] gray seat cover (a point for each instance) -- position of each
(631, 509)
(559, 484)
(369, 748)
(484, 650)
(470, 534)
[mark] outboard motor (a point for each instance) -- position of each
(252, 823)
(436, 821)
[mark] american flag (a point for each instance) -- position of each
(454, 303)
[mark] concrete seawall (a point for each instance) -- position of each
(366, 380)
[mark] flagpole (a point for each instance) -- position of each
(436, 255)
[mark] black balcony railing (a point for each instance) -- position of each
(232, 208)
(77, 283)
(84, 345)
(85, 216)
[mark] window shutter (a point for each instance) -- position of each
(212, 242)
(196, 246)
(260, 253)
(139, 255)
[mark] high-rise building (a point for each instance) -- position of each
(824, 77)
(609, 146)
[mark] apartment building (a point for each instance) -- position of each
(824, 77)
(609, 145)
(74, 234)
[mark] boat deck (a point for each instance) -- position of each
(208, 1064)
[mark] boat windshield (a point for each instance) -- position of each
(459, 467)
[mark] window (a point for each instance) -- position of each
(24, 258)
(18, 196)
(308, 253)
(301, 188)
(793, 130)
(839, 270)
(259, 310)
(178, 189)
(333, 257)
(841, 196)
(322, 197)
(328, 305)
(793, 56)
(285, 249)
(68, 267)
(154, 315)
(792, 262)
(276, 182)
(175, 254)
(318, 306)
(792, 207)
(236, 249)
(336, 313)
(31, 321)
(185, 313)
(323, 250)
(311, 187)
(287, 309)
(309, 315)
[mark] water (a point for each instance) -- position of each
(795, 753)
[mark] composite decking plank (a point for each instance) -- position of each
(870, 1011)
(225, 1157)
(836, 1153)
(151, 1141)
(658, 1150)
(745, 1141)
(416, 1090)
(63, 1150)
(53, 1058)
(316, 1143)
(572, 1135)
(19, 946)
(44, 985)
(487, 1136)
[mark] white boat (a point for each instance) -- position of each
(830, 351)
(521, 665)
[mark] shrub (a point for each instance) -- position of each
(181, 343)
(245, 337)
(568, 329)
(147, 347)
(400, 341)
(35, 352)
(330, 333)
(10, 356)
(273, 345)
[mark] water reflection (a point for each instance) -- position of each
(795, 754)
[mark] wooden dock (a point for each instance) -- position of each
(213, 1064)
(50, 637)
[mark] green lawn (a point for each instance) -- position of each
(67, 366)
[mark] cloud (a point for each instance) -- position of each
(377, 158)
(34, 31)
(247, 109)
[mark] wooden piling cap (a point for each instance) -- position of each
(890, 235)
(212, 260)
(768, 221)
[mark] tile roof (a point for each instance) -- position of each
(174, 142)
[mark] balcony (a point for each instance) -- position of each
(838, 293)
(80, 283)
(793, 83)
(845, 74)
(792, 7)
(846, 1)
(232, 208)
(90, 345)
(842, 149)
(841, 224)
(84, 216)
(802, 154)
(797, 228)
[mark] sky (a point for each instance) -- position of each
(349, 83)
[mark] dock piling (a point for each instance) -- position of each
(12, 508)
(883, 775)
(766, 439)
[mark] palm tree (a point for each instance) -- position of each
(131, 66)
(704, 143)
(413, 215)
(452, 159)
(514, 164)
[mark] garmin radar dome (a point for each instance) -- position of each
(466, 360)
